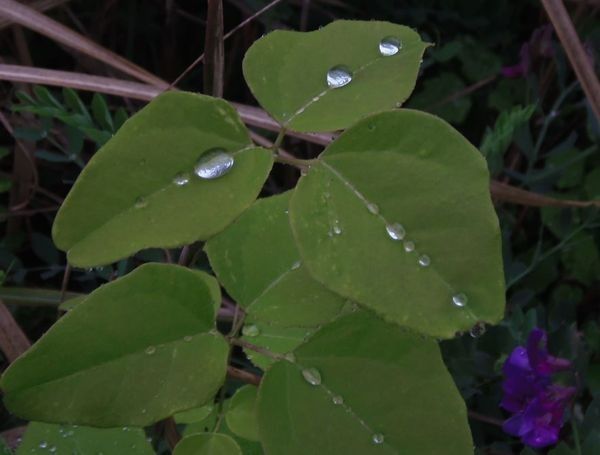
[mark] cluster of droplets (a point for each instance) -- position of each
(213, 164)
(313, 377)
(340, 75)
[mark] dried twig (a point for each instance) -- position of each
(28, 17)
(13, 340)
(575, 52)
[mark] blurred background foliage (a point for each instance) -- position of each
(497, 73)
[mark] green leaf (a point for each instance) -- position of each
(207, 444)
(257, 261)
(101, 113)
(4, 151)
(74, 102)
(241, 415)
(287, 73)
(44, 438)
(45, 97)
(126, 199)
(410, 168)
(374, 382)
(133, 352)
(5, 184)
(194, 415)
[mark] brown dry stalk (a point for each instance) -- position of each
(28, 17)
(575, 52)
(13, 340)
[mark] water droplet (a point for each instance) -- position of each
(409, 246)
(150, 350)
(459, 299)
(338, 76)
(389, 46)
(251, 330)
(312, 376)
(395, 231)
(181, 179)
(140, 202)
(424, 260)
(187, 338)
(144, 411)
(336, 228)
(290, 357)
(214, 164)
(373, 208)
(52, 449)
(125, 428)
(296, 265)
(43, 445)
(337, 399)
(477, 330)
(377, 438)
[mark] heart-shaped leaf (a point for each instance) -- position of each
(133, 352)
(47, 438)
(143, 188)
(207, 444)
(396, 215)
(303, 79)
(257, 261)
(362, 386)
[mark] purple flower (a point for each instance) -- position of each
(536, 403)
(539, 46)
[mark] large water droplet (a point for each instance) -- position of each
(43, 445)
(459, 299)
(251, 330)
(181, 179)
(337, 399)
(373, 208)
(214, 164)
(312, 376)
(377, 438)
(338, 76)
(395, 231)
(409, 246)
(389, 46)
(477, 330)
(424, 260)
(150, 350)
(140, 203)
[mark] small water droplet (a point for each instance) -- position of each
(338, 76)
(477, 330)
(377, 438)
(144, 411)
(150, 350)
(140, 203)
(52, 449)
(125, 428)
(312, 376)
(181, 179)
(373, 208)
(214, 164)
(389, 46)
(459, 299)
(424, 260)
(296, 265)
(337, 399)
(290, 357)
(43, 445)
(336, 228)
(409, 246)
(187, 338)
(250, 330)
(395, 231)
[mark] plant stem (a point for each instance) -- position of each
(297, 162)
(243, 375)
(576, 437)
(279, 140)
(259, 349)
